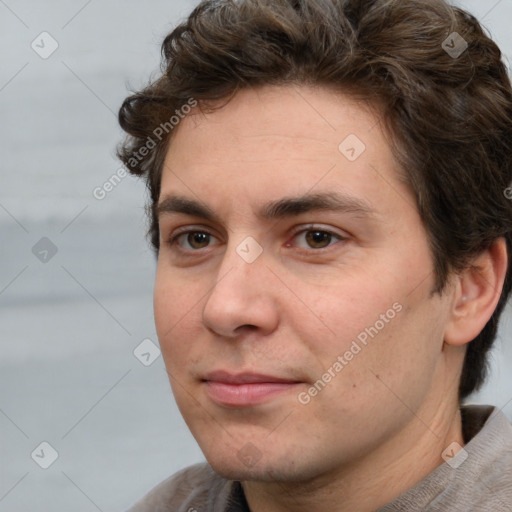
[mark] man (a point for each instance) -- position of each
(328, 204)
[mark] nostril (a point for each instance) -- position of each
(248, 327)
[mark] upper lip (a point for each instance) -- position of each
(244, 378)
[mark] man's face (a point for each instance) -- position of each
(297, 337)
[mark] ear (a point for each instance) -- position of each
(476, 294)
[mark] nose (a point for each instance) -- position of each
(244, 298)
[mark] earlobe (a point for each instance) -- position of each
(476, 294)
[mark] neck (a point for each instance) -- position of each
(372, 481)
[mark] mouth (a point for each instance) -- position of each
(245, 389)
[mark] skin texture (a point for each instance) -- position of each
(381, 423)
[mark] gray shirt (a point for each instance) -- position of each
(480, 483)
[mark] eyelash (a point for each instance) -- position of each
(174, 239)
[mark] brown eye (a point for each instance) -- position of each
(193, 240)
(318, 239)
(198, 240)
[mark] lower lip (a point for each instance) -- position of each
(240, 395)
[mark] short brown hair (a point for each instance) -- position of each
(449, 116)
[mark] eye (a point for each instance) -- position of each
(192, 240)
(316, 238)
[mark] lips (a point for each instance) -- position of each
(245, 389)
(244, 378)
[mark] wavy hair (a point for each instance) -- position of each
(449, 116)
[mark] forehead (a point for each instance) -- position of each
(291, 118)
(282, 141)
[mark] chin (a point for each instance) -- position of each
(238, 472)
(242, 473)
(281, 469)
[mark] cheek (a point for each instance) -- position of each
(342, 312)
(174, 295)
(375, 326)
(176, 313)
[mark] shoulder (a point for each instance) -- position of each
(481, 481)
(492, 464)
(476, 479)
(196, 487)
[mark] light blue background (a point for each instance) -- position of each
(68, 327)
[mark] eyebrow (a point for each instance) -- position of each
(279, 209)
